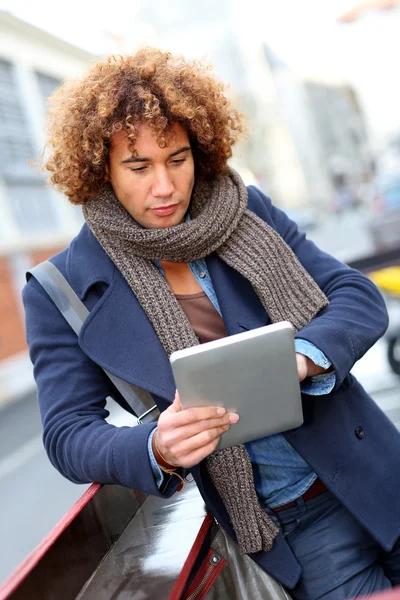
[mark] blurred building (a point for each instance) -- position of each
(301, 133)
(215, 31)
(35, 221)
(370, 42)
(327, 126)
(342, 137)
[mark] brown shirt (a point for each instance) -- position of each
(206, 321)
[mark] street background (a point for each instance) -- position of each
(324, 142)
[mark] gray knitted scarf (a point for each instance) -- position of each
(220, 222)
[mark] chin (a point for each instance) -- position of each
(166, 223)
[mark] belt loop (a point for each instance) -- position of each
(301, 505)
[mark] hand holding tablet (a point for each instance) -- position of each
(185, 437)
(253, 374)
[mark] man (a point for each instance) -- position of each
(176, 251)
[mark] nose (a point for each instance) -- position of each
(163, 186)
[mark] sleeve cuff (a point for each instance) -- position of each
(318, 385)
(158, 474)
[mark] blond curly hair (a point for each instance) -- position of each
(122, 92)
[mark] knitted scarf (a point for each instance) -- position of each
(220, 222)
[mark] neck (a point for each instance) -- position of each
(180, 278)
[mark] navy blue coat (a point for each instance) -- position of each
(117, 336)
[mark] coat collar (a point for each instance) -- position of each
(88, 263)
(117, 333)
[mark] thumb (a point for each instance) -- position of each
(301, 361)
(176, 405)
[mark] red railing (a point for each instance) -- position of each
(30, 562)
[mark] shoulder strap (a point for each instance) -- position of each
(75, 313)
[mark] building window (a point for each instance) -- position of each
(47, 85)
(33, 208)
(15, 146)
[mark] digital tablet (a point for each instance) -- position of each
(253, 374)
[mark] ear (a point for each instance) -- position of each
(106, 172)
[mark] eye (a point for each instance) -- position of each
(138, 169)
(178, 161)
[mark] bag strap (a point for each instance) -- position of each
(75, 313)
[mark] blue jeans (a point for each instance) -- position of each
(338, 557)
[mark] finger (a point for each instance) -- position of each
(301, 366)
(187, 431)
(176, 405)
(187, 446)
(198, 455)
(171, 436)
(201, 413)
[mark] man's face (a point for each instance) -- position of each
(154, 186)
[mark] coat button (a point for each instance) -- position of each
(359, 431)
(202, 275)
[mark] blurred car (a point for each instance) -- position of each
(388, 280)
(384, 224)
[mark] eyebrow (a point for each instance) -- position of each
(139, 159)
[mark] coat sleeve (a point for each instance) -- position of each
(356, 316)
(72, 392)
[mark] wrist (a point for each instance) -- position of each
(164, 465)
(313, 369)
(161, 460)
(306, 367)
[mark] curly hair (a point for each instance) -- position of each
(122, 92)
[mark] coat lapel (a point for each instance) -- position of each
(120, 338)
(117, 334)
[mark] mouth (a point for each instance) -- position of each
(163, 211)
